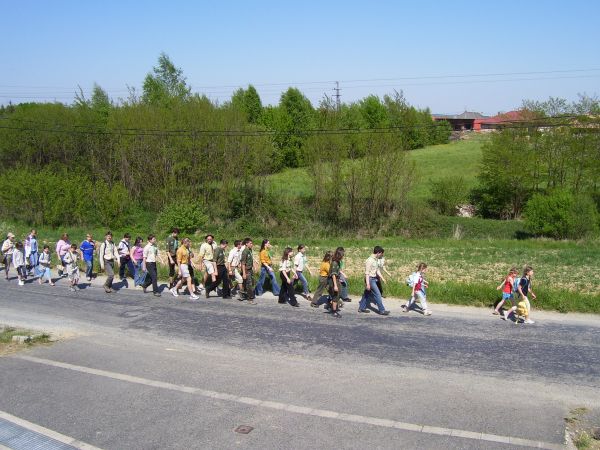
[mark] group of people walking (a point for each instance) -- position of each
(232, 272)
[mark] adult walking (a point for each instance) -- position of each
(87, 248)
(371, 290)
(62, 247)
(125, 261)
(266, 268)
(222, 273)
(233, 264)
(300, 263)
(247, 262)
(150, 256)
(137, 256)
(207, 254)
(8, 250)
(172, 247)
(288, 276)
(109, 256)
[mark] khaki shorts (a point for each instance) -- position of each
(210, 268)
(184, 270)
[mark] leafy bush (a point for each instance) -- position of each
(188, 216)
(63, 197)
(561, 215)
(447, 193)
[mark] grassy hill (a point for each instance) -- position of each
(432, 163)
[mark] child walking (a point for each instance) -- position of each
(323, 276)
(288, 276)
(418, 290)
(19, 263)
(523, 307)
(71, 259)
(44, 266)
(507, 287)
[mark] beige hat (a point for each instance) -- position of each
(10, 235)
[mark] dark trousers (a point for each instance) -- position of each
(152, 277)
(249, 285)
(223, 276)
(286, 293)
(126, 263)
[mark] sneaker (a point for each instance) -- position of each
(72, 289)
(174, 292)
(156, 294)
(194, 297)
(528, 321)
(336, 314)
(496, 313)
(427, 312)
(365, 311)
(504, 315)
(226, 297)
(384, 313)
(296, 305)
(21, 283)
(314, 305)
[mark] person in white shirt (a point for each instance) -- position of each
(71, 259)
(300, 263)
(125, 262)
(233, 264)
(19, 262)
(108, 257)
(8, 248)
(44, 262)
(149, 265)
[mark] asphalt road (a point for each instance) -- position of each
(136, 371)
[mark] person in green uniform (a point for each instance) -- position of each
(247, 263)
(334, 282)
(172, 247)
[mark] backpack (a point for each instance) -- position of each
(412, 279)
(516, 284)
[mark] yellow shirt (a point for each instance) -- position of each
(264, 257)
(183, 255)
(324, 269)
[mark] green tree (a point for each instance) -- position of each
(248, 101)
(561, 215)
(165, 84)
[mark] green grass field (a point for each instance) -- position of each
(432, 163)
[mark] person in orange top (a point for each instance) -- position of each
(266, 268)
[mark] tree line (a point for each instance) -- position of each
(92, 161)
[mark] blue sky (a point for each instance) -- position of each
(425, 48)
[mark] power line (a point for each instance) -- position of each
(261, 133)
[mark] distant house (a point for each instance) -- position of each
(461, 122)
(500, 120)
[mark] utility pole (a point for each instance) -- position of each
(337, 94)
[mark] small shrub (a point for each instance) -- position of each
(447, 193)
(561, 215)
(188, 216)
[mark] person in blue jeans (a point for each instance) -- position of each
(372, 292)
(266, 268)
(87, 248)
